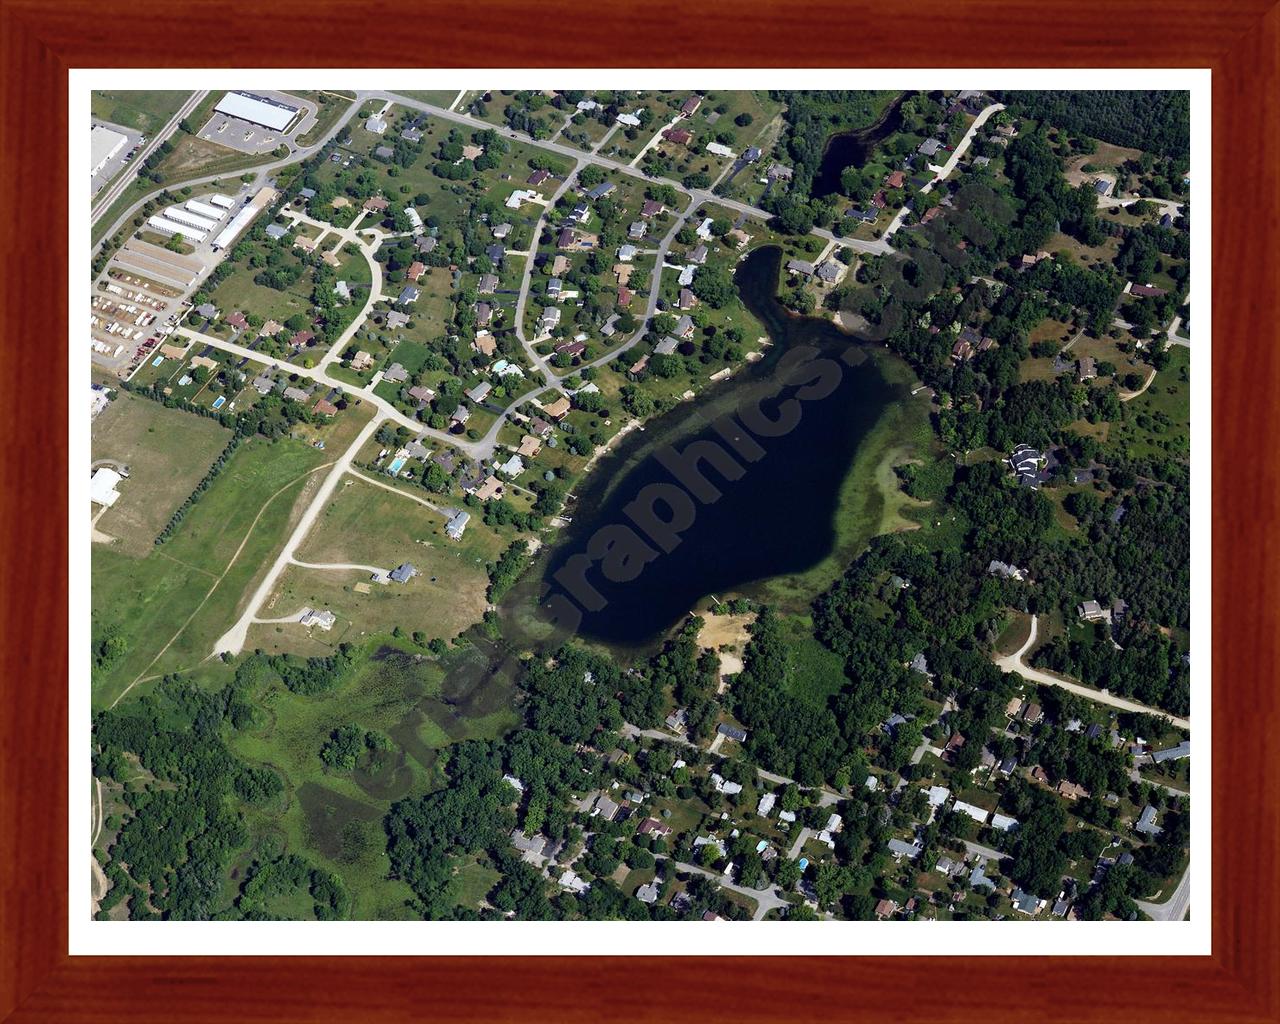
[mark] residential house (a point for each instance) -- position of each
(395, 374)
(403, 573)
(558, 409)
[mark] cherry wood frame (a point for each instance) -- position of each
(39, 41)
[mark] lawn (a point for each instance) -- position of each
(368, 525)
(438, 97)
(1158, 422)
(147, 111)
(171, 605)
(817, 672)
(238, 291)
(167, 452)
(331, 107)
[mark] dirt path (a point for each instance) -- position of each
(218, 581)
(1129, 396)
(100, 881)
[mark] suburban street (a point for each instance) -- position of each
(1176, 906)
(1014, 663)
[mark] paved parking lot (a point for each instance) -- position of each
(118, 161)
(246, 137)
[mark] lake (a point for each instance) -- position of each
(776, 518)
(852, 149)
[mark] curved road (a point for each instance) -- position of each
(260, 170)
(1014, 663)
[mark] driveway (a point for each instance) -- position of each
(1014, 663)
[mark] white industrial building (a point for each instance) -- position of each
(227, 236)
(171, 227)
(102, 486)
(205, 210)
(258, 110)
(220, 200)
(103, 145)
(182, 216)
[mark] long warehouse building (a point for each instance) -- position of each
(187, 217)
(103, 145)
(259, 110)
(227, 236)
(169, 227)
(221, 200)
(205, 210)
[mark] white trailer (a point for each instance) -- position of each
(182, 216)
(205, 210)
(220, 200)
(169, 227)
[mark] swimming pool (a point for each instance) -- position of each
(396, 466)
(157, 360)
(220, 401)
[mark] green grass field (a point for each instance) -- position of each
(335, 818)
(238, 291)
(1159, 420)
(147, 111)
(817, 672)
(167, 452)
(151, 601)
(369, 525)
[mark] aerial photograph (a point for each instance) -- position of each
(571, 505)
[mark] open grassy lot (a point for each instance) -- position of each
(240, 292)
(145, 110)
(436, 97)
(167, 452)
(170, 606)
(194, 157)
(817, 673)
(1159, 420)
(368, 525)
(331, 107)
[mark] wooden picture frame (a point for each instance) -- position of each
(39, 981)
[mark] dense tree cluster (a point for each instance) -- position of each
(1158, 121)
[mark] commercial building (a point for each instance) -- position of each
(220, 200)
(205, 210)
(102, 486)
(259, 110)
(103, 145)
(177, 213)
(171, 227)
(227, 236)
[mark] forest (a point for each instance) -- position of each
(1152, 120)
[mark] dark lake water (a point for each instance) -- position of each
(776, 518)
(852, 149)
